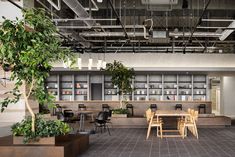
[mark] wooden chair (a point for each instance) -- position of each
(181, 120)
(190, 124)
(153, 122)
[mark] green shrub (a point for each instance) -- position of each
(43, 128)
(120, 111)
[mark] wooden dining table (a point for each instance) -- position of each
(171, 113)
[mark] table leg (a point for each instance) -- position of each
(81, 126)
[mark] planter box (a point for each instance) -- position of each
(18, 140)
(65, 146)
(119, 115)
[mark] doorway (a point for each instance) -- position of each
(215, 94)
(96, 91)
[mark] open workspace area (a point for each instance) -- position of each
(117, 78)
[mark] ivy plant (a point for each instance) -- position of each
(29, 46)
(121, 77)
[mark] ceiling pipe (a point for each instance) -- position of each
(218, 20)
(58, 6)
(118, 19)
(80, 11)
(197, 24)
(141, 34)
(136, 41)
(158, 47)
(82, 19)
(95, 5)
(226, 32)
(103, 26)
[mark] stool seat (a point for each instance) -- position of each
(153, 107)
(202, 107)
(178, 106)
(130, 109)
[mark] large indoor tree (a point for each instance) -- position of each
(29, 46)
(121, 77)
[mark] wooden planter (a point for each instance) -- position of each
(65, 146)
(18, 140)
(119, 115)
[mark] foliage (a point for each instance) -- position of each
(120, 111)
(43, 109)
(121, 76)
(30, 46)
(43, 129)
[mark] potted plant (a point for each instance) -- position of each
(121, 77)
(30, 54)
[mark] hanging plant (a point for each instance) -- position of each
(30, 52)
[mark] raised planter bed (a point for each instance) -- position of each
(41, 141)
(65, 146)
(119, 115)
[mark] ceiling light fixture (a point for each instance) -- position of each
(64, 64)
(99, 64)
(79, 61)
(99, 1)
(67, 64)
(104, 65)
(90, 63)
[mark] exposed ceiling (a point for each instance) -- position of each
(136, 26)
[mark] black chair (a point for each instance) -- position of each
(81, 107)
(202, 106)
(56, 110)
(178, 106)
(69, 116)
(101, 121)
(60, 116)
(106, 108)
(153, 107)
(130, 109)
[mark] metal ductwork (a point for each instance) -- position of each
(139, 34)
(80, 11)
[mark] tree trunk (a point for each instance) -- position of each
(30, 111)
(26, 97)
(121, 100)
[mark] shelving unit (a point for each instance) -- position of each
(185, 87)
(141, 87)
(170, 91)
(110, 92)
(81, 87)
(200, 87)
(66, 87)
(153, 87)
(52, 85)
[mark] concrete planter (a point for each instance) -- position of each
(119, 115)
